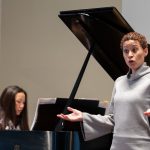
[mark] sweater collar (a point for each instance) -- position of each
(144, 69)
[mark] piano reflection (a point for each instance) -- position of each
(94, 28)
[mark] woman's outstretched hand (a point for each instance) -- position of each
(75, 116)
(147, 113)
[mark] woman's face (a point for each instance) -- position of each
(19, 102)
(134, 54)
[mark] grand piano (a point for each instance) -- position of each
(100, 31)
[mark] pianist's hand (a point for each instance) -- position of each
(75, 116)
(147, 113)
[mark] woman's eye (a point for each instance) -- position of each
(134, 50)
(125, 50)
(18, 102)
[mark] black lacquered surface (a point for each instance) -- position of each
(49, 140)
(104, 27)
(23, 140)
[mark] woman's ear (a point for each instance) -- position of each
(146, 51)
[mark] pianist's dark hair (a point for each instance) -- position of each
(7, 104)
(134, 36)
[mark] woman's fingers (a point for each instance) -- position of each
(147, 113)
(74, 115)
(70, 109)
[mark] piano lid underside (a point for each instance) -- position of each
(103, 28)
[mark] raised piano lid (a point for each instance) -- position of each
(101, 29)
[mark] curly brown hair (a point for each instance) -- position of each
(134, 36)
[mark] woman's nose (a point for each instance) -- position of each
(130, 54)
(21, 105)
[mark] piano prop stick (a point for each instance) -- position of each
(83, 36)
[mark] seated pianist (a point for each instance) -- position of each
(13, 109)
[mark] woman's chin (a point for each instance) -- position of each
(18, 113)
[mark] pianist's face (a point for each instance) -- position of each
(19, 102)
(134, 54)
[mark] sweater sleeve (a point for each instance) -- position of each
(94, 126)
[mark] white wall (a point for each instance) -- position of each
(40, 54)
(0, 31)
(137, 13)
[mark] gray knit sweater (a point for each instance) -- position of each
(125, 118)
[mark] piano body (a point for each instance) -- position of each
(100, 31)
